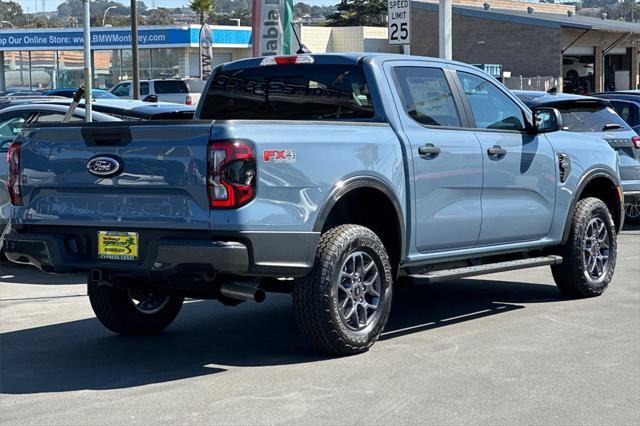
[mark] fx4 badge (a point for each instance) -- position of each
(279, 155)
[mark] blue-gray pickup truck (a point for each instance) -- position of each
(327, 176)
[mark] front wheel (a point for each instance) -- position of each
(589, 255)
(342, 305)
(133, 312)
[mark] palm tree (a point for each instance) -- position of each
(201, 7)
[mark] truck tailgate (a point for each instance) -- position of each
(161, 181)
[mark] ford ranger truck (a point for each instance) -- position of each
(328, 176)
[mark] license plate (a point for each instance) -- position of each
(114, 245)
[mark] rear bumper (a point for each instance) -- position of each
(166, 255)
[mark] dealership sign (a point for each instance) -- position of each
(399, 21)
(206, 52)
(118, 38)
(272, 27)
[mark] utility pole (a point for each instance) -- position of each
(86, 32)
(444, 29)
(134, 50)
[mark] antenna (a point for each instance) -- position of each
(303, 48)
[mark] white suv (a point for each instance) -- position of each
(181, 91)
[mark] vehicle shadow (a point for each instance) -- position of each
(26, 274)
(209, 338)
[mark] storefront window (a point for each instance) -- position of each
(70, 68)
(16, 69)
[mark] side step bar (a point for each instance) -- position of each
(489, 268)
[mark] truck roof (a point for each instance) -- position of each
(348, 58)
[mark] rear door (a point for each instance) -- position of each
(446, 158)
(519, 173)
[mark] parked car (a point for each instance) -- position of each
(349, 171)
(182, 91)
(626, 104)
(596, 117)
(119, 108)
(572, 68)
(70, 92)
(12, 120)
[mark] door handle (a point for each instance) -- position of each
(429, 150)
(496, 152)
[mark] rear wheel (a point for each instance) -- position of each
(133, 312)
(572, 75)
(589, 255)
(343, 304)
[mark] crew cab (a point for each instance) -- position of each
(328, 176)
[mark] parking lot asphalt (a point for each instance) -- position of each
(502, 348)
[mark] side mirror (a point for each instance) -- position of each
(546, 120)
(150, 98)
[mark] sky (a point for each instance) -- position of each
(50, 5)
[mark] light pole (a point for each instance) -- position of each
(444, 30)
(134, 50)
(104, 17)
(2, 79)
(88, 84)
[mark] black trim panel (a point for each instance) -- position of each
(584, 181)
(363, 182)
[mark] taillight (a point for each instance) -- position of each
(231, 174)
(13, 181)
(636, 141)
(188, 100)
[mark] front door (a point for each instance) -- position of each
(518, 194)
(446, 159)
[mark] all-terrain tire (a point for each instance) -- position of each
(572, 276)
(116, 310)
(316, 296)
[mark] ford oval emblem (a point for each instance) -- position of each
(104, 166)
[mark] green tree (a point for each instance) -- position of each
(359, 12)
(11, 11)
(202, 7)
(159, 16)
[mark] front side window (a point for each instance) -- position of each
(426, 96)
(491, 107)
(122, 89)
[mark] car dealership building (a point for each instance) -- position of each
(520, 38)
(53, 57)
(533, 39)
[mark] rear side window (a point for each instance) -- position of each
(169, 86)
(426, 96)
(592, 119)
(144, 88)
(628, 111)
(290, 92)
(195, 85)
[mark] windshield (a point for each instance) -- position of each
(290, 92)
(590, 119)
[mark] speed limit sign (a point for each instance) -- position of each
(399, 21)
